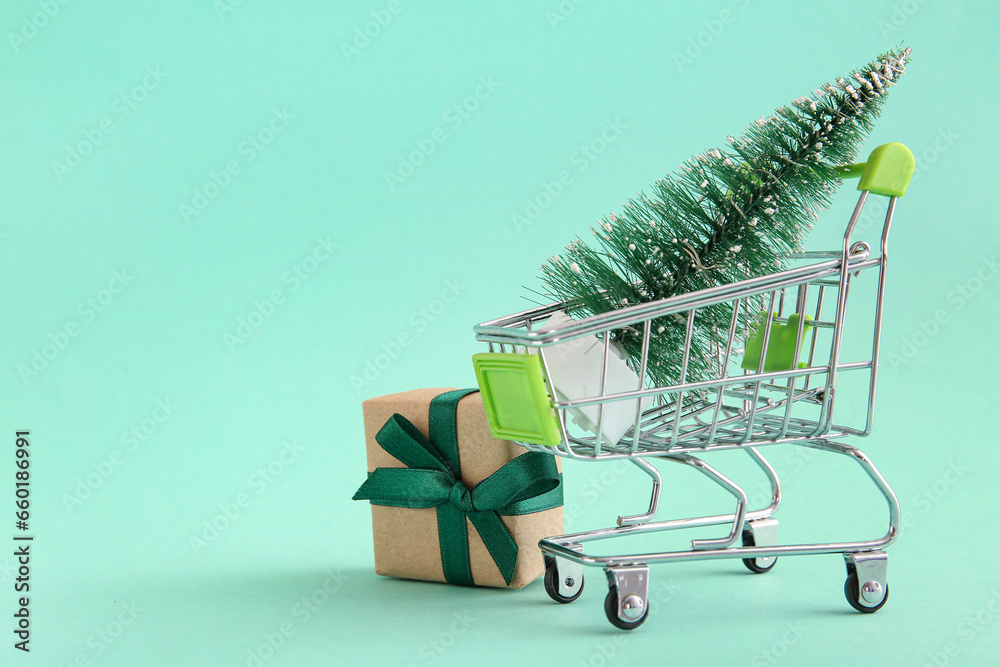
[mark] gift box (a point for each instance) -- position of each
(450, 502)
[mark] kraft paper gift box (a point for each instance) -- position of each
(424, 524)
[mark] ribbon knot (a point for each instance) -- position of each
(461, 498)
(433, 478)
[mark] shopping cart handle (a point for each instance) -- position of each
(887, 171)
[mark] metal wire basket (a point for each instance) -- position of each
(761, 395)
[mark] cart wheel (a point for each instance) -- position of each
(757, 565)
(552, 582)
(852, 592)
(611, 610)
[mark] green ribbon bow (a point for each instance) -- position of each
(529, 483)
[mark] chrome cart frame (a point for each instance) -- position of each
(738, 409)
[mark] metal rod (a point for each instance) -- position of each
(708, 384)
(654, 502)
(600, 406)
(760, 368)
(499, 330)
(561, 414)
(877, 334)
(772, 478)
(725, 367)
(838, 331)
(815, 333)
(646, 330)
(555, 545)
(800, 309)
(684, 367)
(741, 505)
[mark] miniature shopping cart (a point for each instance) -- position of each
(754, 400)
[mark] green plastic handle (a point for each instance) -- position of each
(887, 171)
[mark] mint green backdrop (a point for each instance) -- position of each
(216, 214)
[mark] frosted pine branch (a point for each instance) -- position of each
(728, 214)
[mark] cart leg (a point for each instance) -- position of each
(627, 604)
(654, 502)
(772, 478)
(866, 587)
(866, 464)
(739, 516)
(563, 577)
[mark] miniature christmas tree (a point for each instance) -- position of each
(728, 215)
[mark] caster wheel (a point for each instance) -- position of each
(611, 610)
(753, 564)
(852, 592)
(552, 582)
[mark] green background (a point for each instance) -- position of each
(114, 515)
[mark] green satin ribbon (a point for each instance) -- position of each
(433, 478)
